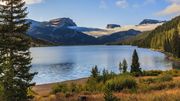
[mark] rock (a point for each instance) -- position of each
(62, 22)
(82, 98)
(109, 26)
(150, 21)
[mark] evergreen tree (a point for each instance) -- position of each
(15, 60)
(167, 46)
(135, 67)
(176, 44)
(108, 95)
(105, 75)
(95, 72)
(125, 66)
(120, 67)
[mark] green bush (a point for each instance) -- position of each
(152, 73)
(108, 95)
(161, 78)
(94, 86)
(106, 76)
(165, 78)
(149, 80)
(174, 73)
(63, 88)
(161, 86)
(122, 82)
(74, 88)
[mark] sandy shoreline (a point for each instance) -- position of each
(45, 89)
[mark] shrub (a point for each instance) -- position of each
(73, 88)
(152, 73)
(165, 78)
(93, 86)
(161, 86)
(67, 88)
(149, 80)
(108, 95)
(162, 78)
(173, 72)
(121, 82)
(106, 76)
(60, 88)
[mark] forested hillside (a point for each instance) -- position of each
(165, 38)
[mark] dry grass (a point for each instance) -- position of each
(164, 95)
(155, 95)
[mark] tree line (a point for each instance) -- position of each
(165, 38)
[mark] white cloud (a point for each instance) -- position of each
(33, 1)
(171, 9)
(122, 3)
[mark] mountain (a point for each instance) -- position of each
(150, 21)
(59, 22)
(63, 36)
(62, 22)
(101, 32)
(110, 26)
(117, 36)
(165, 38)
(35, 42)
(57, 31)
(64, 31)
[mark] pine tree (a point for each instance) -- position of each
(120, 67)
(95, 72)
(108, 95)
(125, 66)
(105, 75)
(15, 60)
(135, 67)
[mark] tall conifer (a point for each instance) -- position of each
(135, 67)
(15, 60)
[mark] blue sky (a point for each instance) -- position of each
(99, 13)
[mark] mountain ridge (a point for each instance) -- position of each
(65, 31)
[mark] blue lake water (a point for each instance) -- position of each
(55, 64)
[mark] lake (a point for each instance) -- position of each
(61, 63)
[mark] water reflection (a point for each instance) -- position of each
(55, 64)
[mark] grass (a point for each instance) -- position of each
(152, 86)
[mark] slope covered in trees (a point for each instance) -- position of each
(165, 38)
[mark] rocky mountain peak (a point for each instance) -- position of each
(62, 22)
(150, 21)
(110, 26)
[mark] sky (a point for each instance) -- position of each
(99, 13)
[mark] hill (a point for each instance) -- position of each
(165, 38)
(117, 36)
